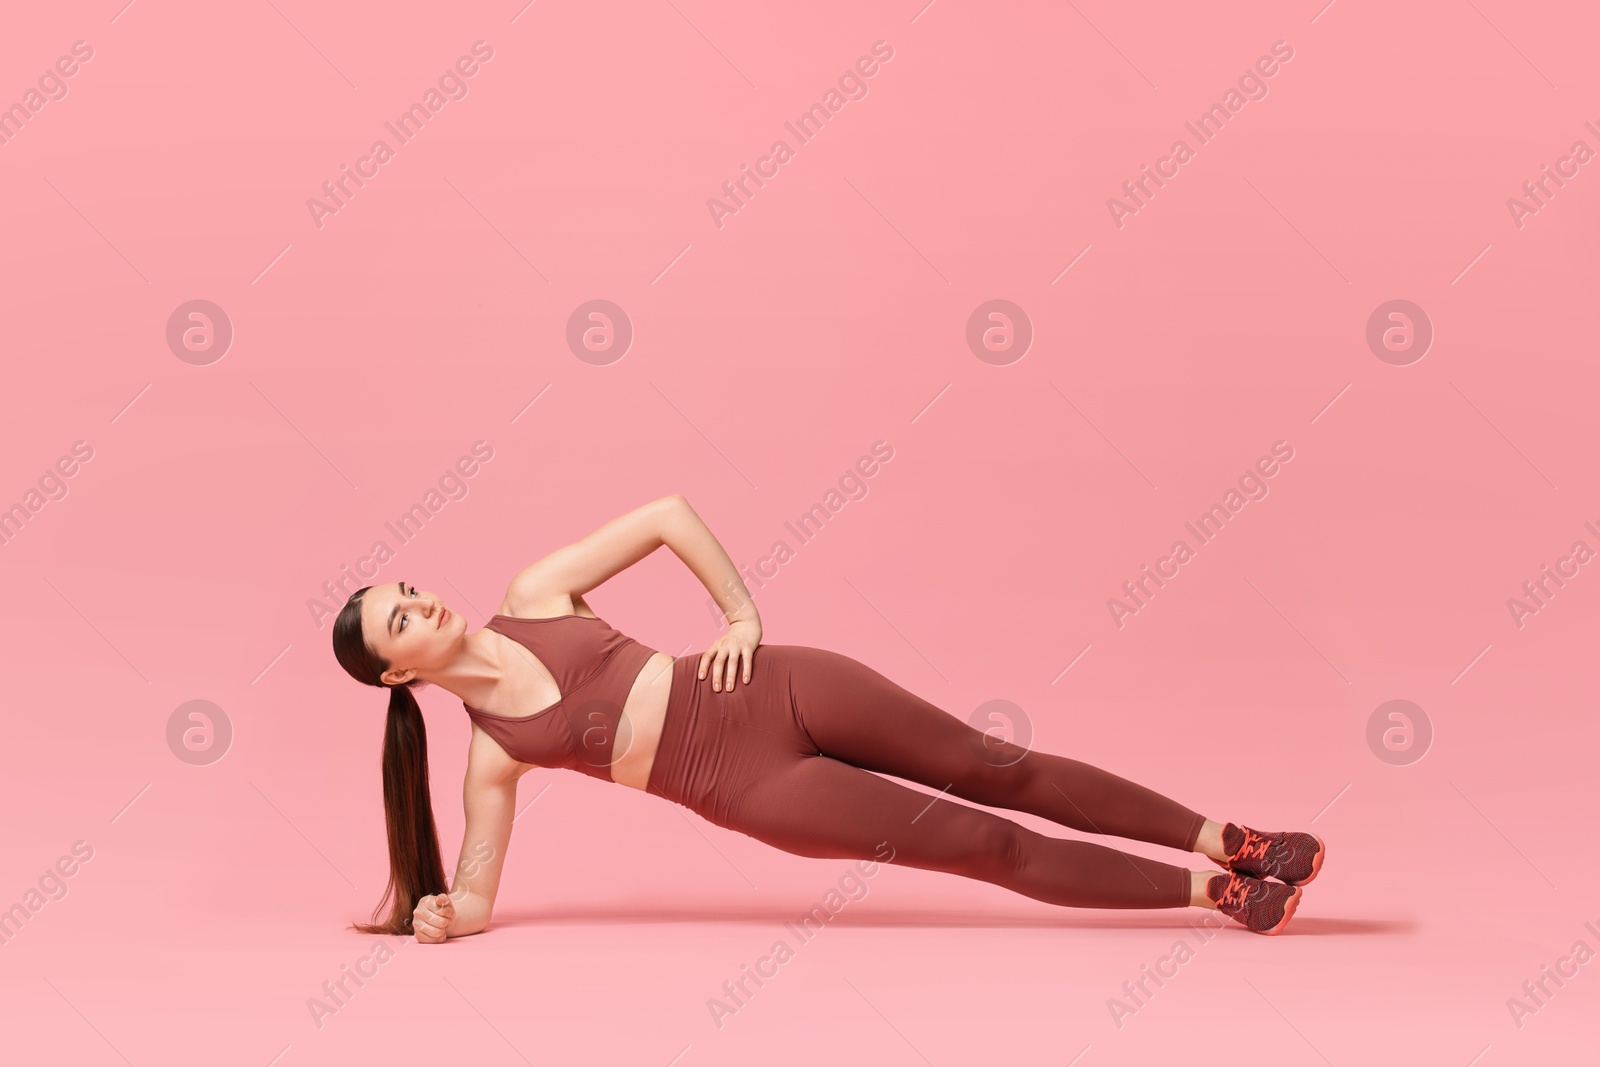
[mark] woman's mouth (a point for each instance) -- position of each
(444, 616)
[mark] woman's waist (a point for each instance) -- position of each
(695, 702)
(708, 724)
(639, 725)
(683, 751)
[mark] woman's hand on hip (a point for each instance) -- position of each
(734, 646)
(432, 918)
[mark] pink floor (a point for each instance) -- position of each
(1364, 308)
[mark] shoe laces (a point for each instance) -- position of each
(1254, 847)
(1234, 893)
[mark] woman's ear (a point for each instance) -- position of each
(398, 676)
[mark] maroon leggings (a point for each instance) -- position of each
(789, 759)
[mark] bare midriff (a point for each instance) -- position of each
(639, 728)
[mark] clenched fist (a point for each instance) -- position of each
(433, 915)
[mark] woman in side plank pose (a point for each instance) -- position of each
(786, 744)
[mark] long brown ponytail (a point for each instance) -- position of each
(416, 868)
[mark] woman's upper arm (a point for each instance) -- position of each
(489, 797)
(577, 568)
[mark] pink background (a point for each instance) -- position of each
(769, 354)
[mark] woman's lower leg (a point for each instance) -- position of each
(816, 806)
(1084, 797)
(856, 715)
(1209, 842)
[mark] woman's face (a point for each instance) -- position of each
(410, 629)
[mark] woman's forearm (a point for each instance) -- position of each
(472, 913)
(692, 541)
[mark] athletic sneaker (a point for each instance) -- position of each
(1263, 907)
(1293, 858)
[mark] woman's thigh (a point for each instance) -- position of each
(813, 805)
(857, 715)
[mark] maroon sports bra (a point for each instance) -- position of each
(594, 667)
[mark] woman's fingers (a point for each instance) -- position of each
(709, 663)
(432, 916)
(727, 665)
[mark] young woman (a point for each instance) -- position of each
(783, 743)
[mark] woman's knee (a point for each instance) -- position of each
(996, 847)
(995, 768)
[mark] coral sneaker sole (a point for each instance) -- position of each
(1316, 861)
(1288, 913)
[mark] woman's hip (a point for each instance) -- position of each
(715, 744)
